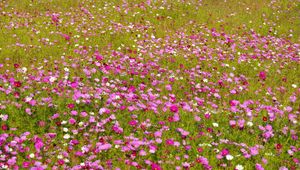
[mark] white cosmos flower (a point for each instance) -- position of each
(31, 155)
(229, 157)
(249, 124)
(215, 125)
(52, 79)
(24, 69)
(4, 166)
(239, 167)
(67, 136)
(28, 98)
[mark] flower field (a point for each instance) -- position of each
(150, 84)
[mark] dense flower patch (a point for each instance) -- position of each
(199, 98)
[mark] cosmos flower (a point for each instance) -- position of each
(116, 102)
(174, 108)
(239, 167)
(262, 75)
(155, 166)
(258, 167)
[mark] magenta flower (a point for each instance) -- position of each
(17, 84)
(262, 75)
(55, 18)
(174, 108)
(169, 142)
(72, 121)
(132, 123)
(155, 166)
(38, 144)
(224, 152)
(71, 106)
(259, 167)
(99, 57)
(25, 164)
(66, 36)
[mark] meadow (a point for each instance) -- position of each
(153, 84)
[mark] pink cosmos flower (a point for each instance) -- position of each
(262, 75)
(83, 114)
(72, 121)
(99, 57)
(169, 87)
(74, 113)
(55, 18)
(71, 106)
(38, 144)
(293, 98)
(28, 111)
(12, 161)
(169, 142)
(104, 147)
(66, 36)
(224, 152)
(132, 123)
(232, 123)
(197, 118)
(176, 117)
(155, 166)
(183, 132)
(283, 168)
(207, 115)
(241, 123)
(259, 167)
(25, 164)
(4, 127)
(253, 150)
(264, 160)
(174, 108)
